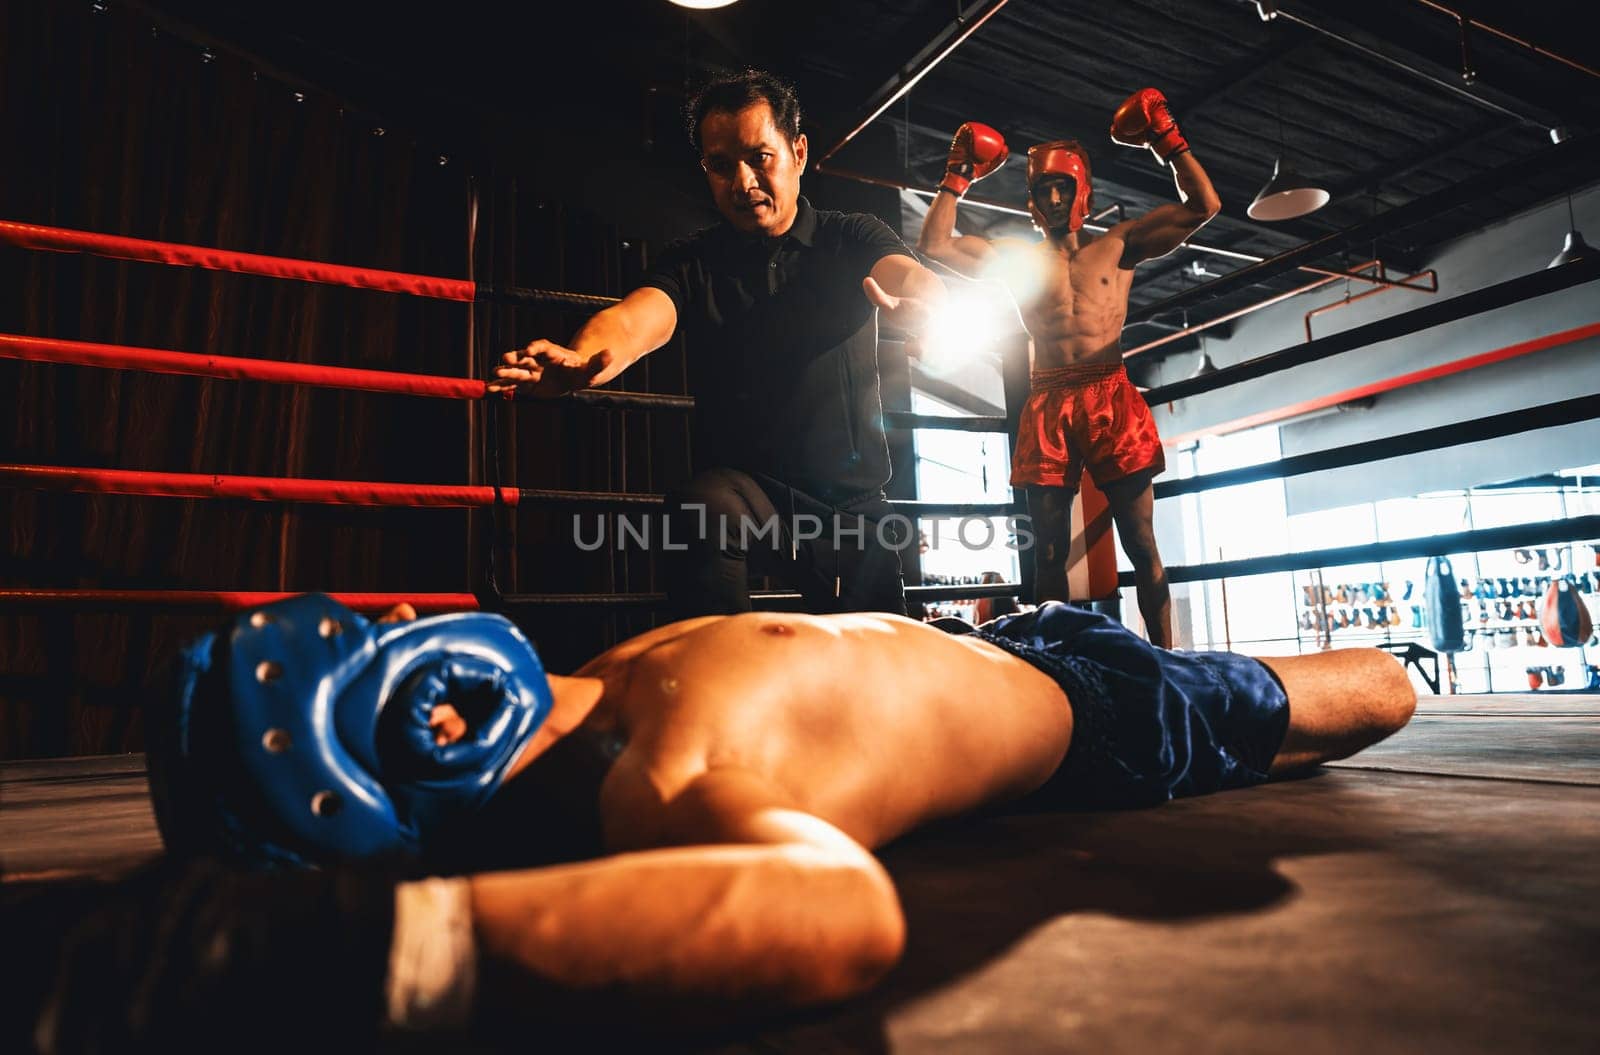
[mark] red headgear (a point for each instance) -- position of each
(1064, 157)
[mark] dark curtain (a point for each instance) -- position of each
(114, 125)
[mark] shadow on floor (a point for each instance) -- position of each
(971, 890)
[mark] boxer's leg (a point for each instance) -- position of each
(1132, 502)
(1050, 509)
(1047, 470)
(1339, 703)
(1124, 454)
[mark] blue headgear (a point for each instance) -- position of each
(300, 734)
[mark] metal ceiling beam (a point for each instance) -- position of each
(1129, 173)
(1441, 145)
(976, 104)
(1291, 43)
(1406, 258)
(1386, 51)
(1176, 262)
(917, 67)
(1572, 151)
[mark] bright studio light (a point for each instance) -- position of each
(1022, 270)
(966, 326)
(703, 5)
(1286, 195)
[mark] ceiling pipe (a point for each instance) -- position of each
(1467, 22)
(921, 64)
(1431, 287)
(1270, 11)
(1381, 282)
(1230, 316)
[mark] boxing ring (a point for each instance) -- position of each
(1288, 910)
(1421, 889)
(1420, 895)
(1091, 549)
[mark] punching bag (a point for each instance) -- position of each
(1563, 616)
(1442, 601)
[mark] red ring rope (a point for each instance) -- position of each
(256, 488)
(162, 361)
(64, 240)
(228, 600)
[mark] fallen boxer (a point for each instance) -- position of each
(679, 832)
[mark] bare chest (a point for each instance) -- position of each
(1079, 290)
(875, 735)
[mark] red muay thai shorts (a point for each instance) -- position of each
(1086, 415)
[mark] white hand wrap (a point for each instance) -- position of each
(433, 960)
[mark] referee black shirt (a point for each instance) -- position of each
(782, 348)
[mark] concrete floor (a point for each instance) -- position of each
(1437, 892)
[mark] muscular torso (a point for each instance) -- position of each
(1076, 315)
(875, 723)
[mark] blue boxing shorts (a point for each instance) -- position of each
(1148, 724)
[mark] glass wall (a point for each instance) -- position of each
(1501, 592)
(1229, 523)
(1290, 613)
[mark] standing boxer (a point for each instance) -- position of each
(1072, 292)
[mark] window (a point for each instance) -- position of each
(954, 466)
(1373, 603)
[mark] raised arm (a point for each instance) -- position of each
(609, 343)
(1164, 228)
(781, 909)
(975, 151)
(1144, 120)
(966, 254)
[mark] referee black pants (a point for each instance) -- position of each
(726, 525)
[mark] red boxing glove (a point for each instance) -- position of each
(1143, 120)
(976, 151)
